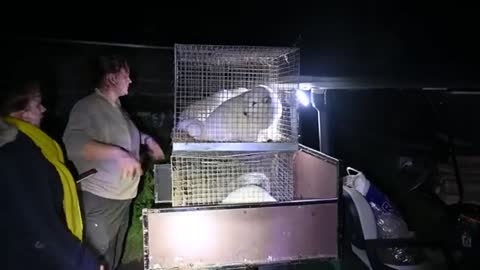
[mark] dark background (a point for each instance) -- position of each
(408, 43)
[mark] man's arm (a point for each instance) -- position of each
(144, 137)
(155, 150)
(131, 167)
(94, 150)
(79, 132)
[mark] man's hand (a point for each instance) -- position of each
(155, 150)
(131, 167)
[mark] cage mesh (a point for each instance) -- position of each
(235, 94)
(209, 178)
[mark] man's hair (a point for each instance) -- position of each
(18, 95)
(108, 64)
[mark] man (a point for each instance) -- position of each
(42, 212)
(100, 135)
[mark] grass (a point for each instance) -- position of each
(145, 199)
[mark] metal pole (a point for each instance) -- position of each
(99, 43)
(317, 99)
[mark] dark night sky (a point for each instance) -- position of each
(335, 39)
(433, 41)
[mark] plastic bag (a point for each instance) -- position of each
(390, 224)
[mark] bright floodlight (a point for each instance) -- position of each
(303, 98)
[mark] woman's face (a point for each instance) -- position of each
(33, 113)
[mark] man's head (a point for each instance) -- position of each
(23, 101)
(113, 74)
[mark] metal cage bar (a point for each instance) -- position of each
(231, 177)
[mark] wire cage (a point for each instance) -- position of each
(210, 178)
(235, 94)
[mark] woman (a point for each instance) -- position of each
(43, 218)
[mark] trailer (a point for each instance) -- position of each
(248, 195)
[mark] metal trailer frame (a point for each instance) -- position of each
(170, 226)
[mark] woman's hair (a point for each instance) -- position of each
(18, 95)
(109, 64)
